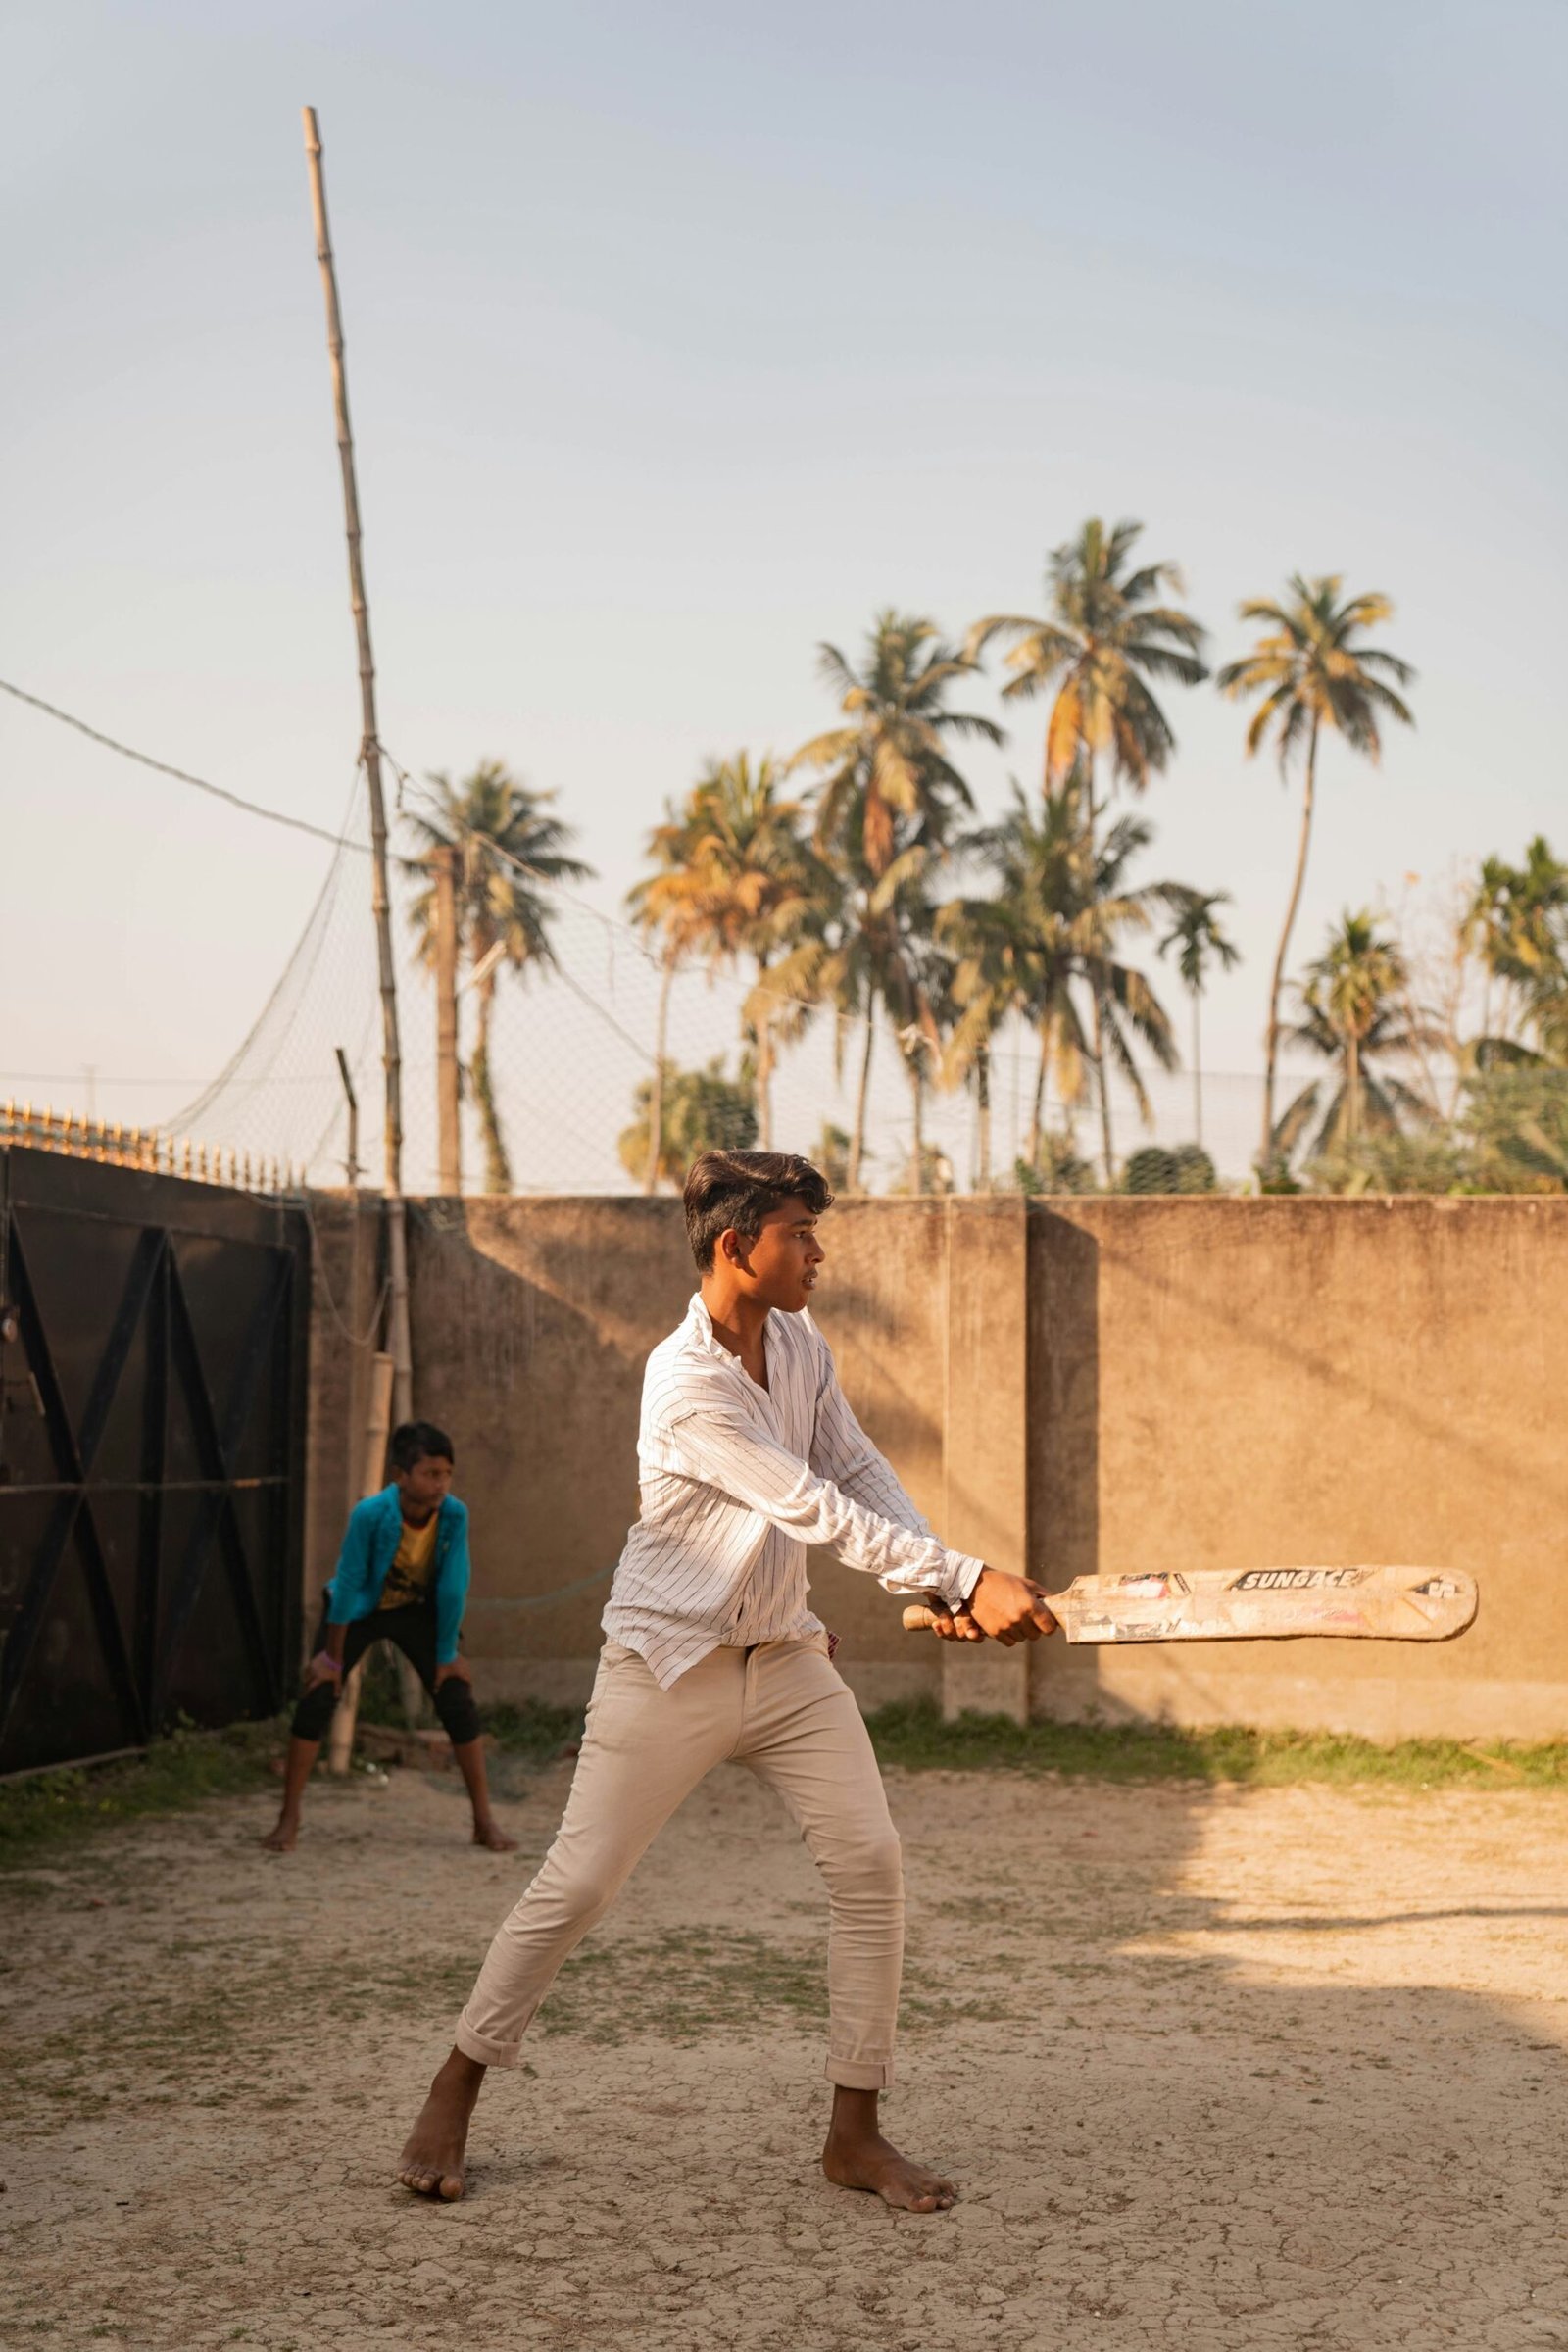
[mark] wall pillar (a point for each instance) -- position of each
(985, 1459)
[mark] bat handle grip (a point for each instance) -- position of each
(917, 1618)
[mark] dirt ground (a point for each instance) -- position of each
(1219, 2071)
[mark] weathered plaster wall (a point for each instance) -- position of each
(1291, 1382)
(1099, 1383)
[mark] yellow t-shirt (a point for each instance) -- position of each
(408, 1580)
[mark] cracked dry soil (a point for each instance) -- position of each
(1219, 2071)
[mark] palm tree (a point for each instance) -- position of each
(1355, 1013)
(763, 885)
(990, 982)
(1018, 950)
(886, 775)
(1313, 670)
(735, 879)
(1517, 920)
(510, 850)
(1197, 936)
(703, 1110)
(1104, 638)
(1059, 913)
(838, 962)
(670, 905)
(1127, 1013)
(887, 799)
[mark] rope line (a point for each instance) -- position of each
(181, 775)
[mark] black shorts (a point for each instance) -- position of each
(414, 1631)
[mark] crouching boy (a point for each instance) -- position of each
(401, 1576)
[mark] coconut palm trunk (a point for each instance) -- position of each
(1091, 818)
(497, 1167)
(863, 1095)
(982, 1110)
(656, 1097)
(1042, 1075)
(1272, 1043)
(917, 1088)
(764, 1063)
(1198, 1071)
(1102, 1089)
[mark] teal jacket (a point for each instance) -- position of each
(370, 1547)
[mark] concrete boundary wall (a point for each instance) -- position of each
(1062, 1387)
(1281, 1382)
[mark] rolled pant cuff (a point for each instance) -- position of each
(848, 2075)
(482, 2050)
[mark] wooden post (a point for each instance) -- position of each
(378, 1421)
(444, 869)
(350, 1167)
(371, 758)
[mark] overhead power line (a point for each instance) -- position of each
(217, 792)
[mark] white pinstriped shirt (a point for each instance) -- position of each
(737, 1481)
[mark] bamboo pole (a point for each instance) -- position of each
(340, 1742)
(444, 870)
(371, 758)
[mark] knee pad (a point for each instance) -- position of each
(460, 1717)
(314, 1713)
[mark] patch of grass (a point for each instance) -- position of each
(683, 1982)
(533, 1730)
(58, 1808)
(914, 1737)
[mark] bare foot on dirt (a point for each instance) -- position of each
(876, 2165)
(432, 2163)
(857, 2156)
(284, 1838)
(490, 1833)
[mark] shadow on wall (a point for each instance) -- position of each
(1063, 1440)
(532, 1320)
(1243, 1383)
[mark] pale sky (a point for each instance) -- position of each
(682, 337)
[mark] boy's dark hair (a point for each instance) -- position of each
(412, 1440)
(739, 1189)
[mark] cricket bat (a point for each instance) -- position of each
(1259, 1604)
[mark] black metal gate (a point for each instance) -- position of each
(153, 1337)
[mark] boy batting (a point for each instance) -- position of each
(748, 1453)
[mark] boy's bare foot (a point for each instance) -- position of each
(857, 2156)
(492, 1835)
(432, 2163)
(284, 1838)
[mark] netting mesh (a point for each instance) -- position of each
(569, 1048)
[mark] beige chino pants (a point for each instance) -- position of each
(783, 1711)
